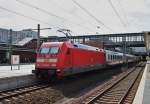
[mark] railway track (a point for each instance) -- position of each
(119, 91)
(51, 93)
(16, 92)
(131, 93)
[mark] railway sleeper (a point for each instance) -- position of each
(115, 97)
(107, 102)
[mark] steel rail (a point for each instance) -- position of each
(96, 97)
(12, 93)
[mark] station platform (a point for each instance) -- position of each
(5, 71)
(143, 92)
(12, 79)
(146, 95)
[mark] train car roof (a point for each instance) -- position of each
(87, 47)
(75, 45)
(118, 53)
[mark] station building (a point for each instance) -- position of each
(25, 40)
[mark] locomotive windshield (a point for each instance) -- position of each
(44, 50)
(49, 50)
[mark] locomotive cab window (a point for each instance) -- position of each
(44, 50)
(54, 50)
(49, 50)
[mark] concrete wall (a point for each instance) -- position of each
(16, 82)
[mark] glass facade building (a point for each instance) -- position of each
(16, 35)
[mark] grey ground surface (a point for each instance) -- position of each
(146, 97)
(5, 71)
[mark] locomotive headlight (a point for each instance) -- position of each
(52, 60)
(40, 60)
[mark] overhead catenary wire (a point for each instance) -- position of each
(28, 17)
(91, 23)
(123, 11)
(125, 15)
(91, 15)
(40, 9)
(25, 16)
(117, 14)
(49, 13)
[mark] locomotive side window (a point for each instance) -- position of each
(68, 51)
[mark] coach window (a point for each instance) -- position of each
(108, 57)
(111, 57)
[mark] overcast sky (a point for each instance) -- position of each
(130, 15)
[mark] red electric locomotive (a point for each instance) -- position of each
(65, 58)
